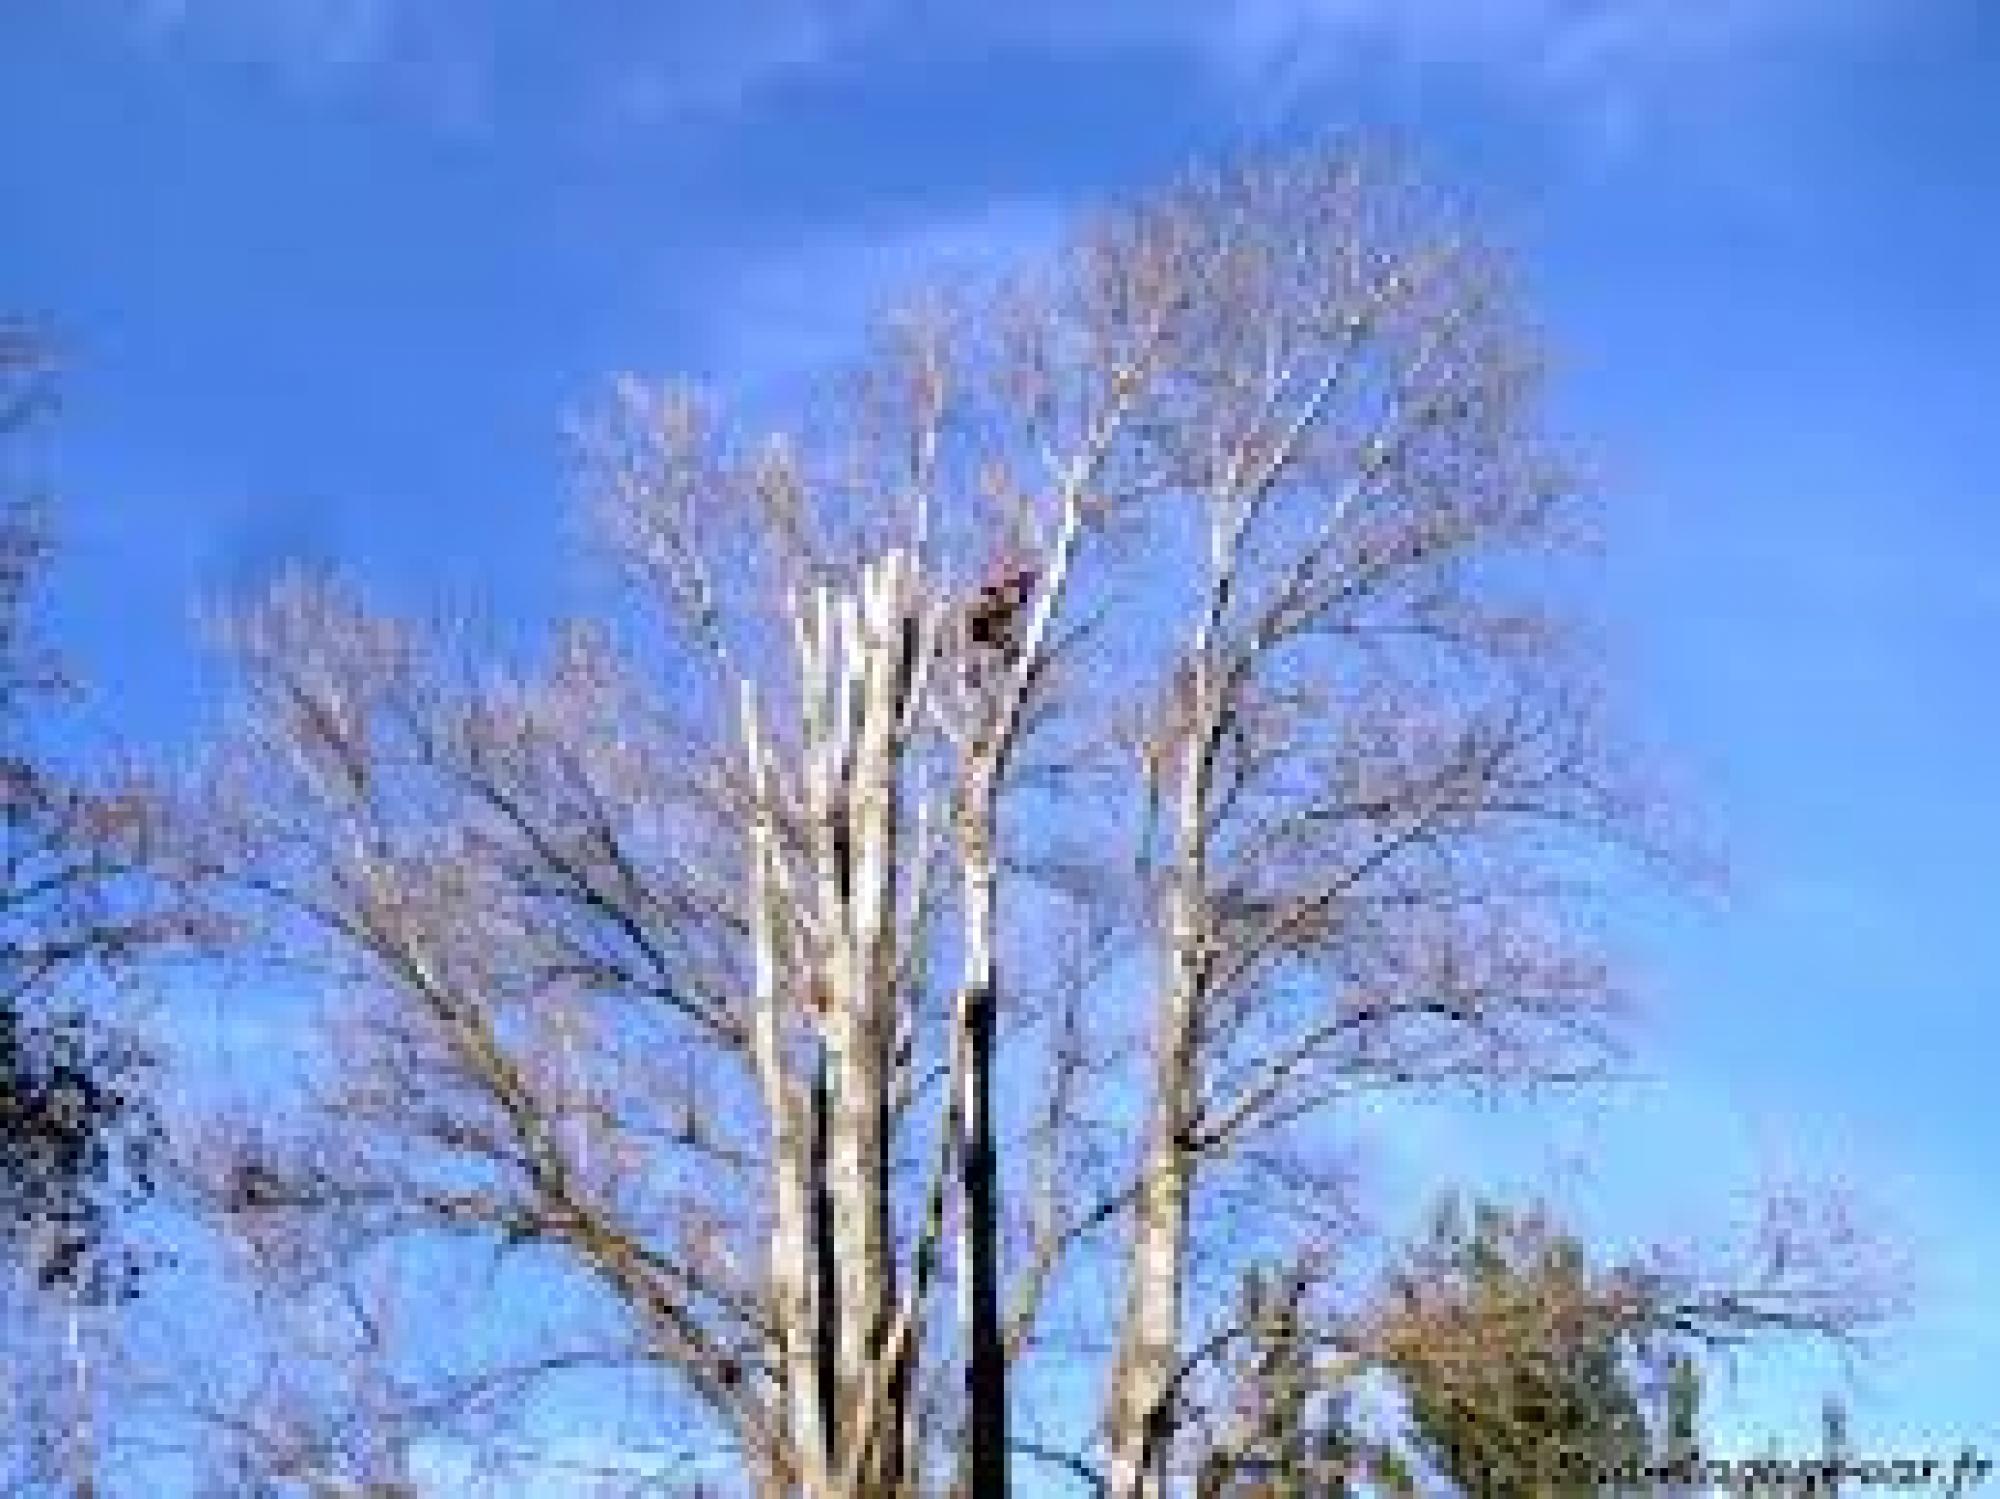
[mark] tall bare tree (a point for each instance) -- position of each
(1133, 716)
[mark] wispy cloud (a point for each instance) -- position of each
(641, 64)
(1609, 68)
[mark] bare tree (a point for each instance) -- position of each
(1134, 716)
(345, 1376)
(78, 907)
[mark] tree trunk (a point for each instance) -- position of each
(82, 1439)
(1150, 1350)
(859, 904)
(1149, 1353)
(794, 1265)
(835, 1219)
(979, 1228)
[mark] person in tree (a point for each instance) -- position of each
(994, 617)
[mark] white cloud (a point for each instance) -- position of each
(1606, 70)
(1606, 83)
(658, 64)
(1609, 67)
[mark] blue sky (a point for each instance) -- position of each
(331, 272)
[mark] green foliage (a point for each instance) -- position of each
(1525, 1366)
(1527, 1370)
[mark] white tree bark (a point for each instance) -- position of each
(1150, 1348)
(792, 1285)
(828, 953)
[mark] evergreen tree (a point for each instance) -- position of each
(1526, 1369)
(1525, 1379)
